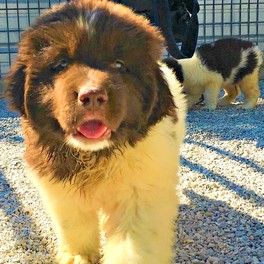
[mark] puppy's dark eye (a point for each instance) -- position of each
(59, 65)
(120, 65)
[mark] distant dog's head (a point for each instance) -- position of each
(87, 74)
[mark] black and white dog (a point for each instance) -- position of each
(231, 64)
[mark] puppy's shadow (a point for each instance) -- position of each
(211, 228)
(25, 231)
(10, 128)
(230, 123)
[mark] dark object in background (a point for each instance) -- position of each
(185, 25)
(177, 19)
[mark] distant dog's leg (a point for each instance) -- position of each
(211, 96)
(141, 232)
(231, 92)
(193, 99)
(250, 88)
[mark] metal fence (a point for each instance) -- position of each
(217, 18)
(237, 18)
(15, 17)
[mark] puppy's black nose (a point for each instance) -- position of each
(95, 98)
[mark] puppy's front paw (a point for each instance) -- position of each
(67, 258)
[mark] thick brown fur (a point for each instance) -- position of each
(101, 48)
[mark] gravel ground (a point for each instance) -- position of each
(222, 203)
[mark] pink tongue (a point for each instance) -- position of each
(93, 129)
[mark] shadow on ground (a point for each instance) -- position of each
(27, 233)
(228, 154)
(10, 128)
(208, 229)
(242, 191)
(230, 123)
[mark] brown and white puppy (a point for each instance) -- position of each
(231, 64)
(102, 128)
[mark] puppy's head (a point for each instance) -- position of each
(87, 74)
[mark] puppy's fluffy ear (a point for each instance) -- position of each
(14, 83)
(164, 104)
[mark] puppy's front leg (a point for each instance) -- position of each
(75, 224)
(141, 232)
(78, 237)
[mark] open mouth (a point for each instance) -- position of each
(93, 130)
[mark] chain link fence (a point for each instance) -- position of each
(217, 18)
